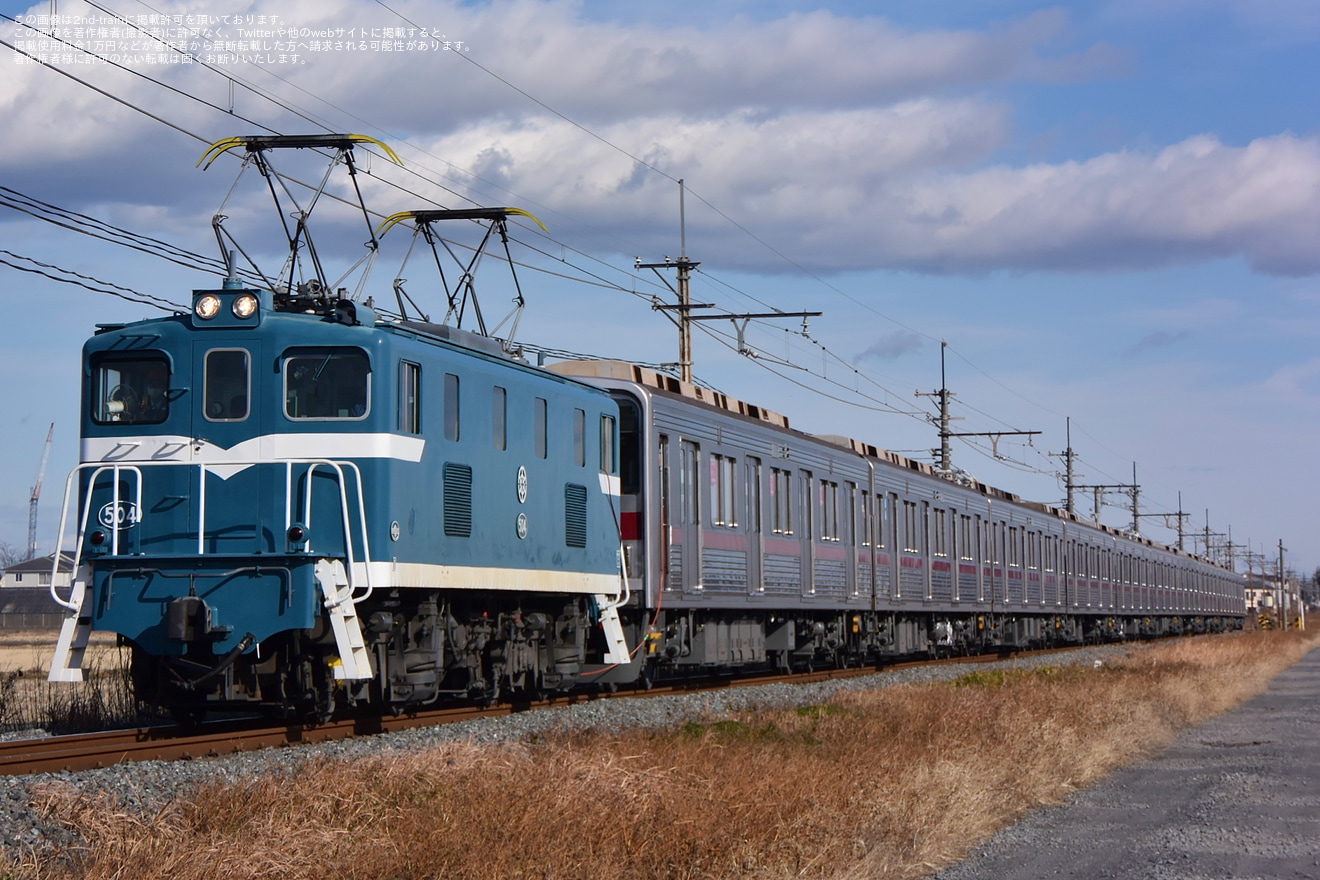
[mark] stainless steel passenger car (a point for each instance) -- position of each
(749, 543)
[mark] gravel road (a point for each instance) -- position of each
(1237, 797)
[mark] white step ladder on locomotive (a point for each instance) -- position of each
(354, 659)
(75, 629)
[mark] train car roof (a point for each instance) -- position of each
(611, 369)
(653, 380)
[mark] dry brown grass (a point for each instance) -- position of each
(881, 784)
(28, 701)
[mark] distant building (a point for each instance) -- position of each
(1264, 595)
(37, 572)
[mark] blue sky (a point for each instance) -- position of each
(1109, 210)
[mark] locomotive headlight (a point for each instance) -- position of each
(245, 305)
(207, 306)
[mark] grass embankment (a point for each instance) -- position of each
(882, 784)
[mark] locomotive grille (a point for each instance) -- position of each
(575, 515)
(458, 500)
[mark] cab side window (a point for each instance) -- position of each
(327, 383)
(130, 390)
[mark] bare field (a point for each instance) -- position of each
(28, 701)
(29, 651)
(890, 783)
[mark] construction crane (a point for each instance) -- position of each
(36, 496)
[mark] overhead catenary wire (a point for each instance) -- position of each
(599, 279)
(125, 293)
(308, 117)
(601, 282)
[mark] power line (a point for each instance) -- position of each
(125, 293)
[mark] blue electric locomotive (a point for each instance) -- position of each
(286, 501)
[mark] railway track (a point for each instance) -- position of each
(90, 751)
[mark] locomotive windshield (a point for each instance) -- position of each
(225, 385)
(327, 383)
(132, 390)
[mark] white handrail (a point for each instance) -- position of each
(343, 506)
(87, 506)
(98, 468)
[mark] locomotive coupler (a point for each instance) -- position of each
(188, 619)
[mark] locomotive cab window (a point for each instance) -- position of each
(130, 390)
(327, 383)
(225, 385)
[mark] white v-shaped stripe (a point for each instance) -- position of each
(267, 448)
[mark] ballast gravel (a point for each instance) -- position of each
(148, 785)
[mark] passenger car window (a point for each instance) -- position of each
(225, 385)
(131, 390)
(327, 383)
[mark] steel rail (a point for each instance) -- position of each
(91, 751)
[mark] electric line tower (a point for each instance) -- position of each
(685, 305)
(944, 455)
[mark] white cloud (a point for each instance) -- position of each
(792, 127)
(892, 346)
(877, 188)
(1295, 384)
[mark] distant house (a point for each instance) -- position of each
(37, 572)
(25, 602)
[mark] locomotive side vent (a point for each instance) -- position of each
(458, 500)
(575, 515)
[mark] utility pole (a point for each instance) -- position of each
(1232, 549)
(1098, 494)
(1097, 489)
(1252, 558)
(1136, 515)
(1135, 491)
(685, 305)
(944, 453)
(1069, 478)
(1283, 591)
(1213, 542)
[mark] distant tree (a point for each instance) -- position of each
(10, 555)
